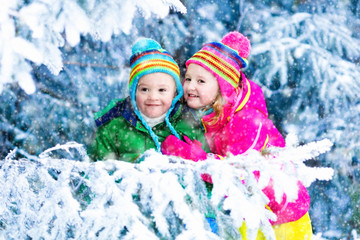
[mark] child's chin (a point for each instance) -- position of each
(154, 115)
(192, 104)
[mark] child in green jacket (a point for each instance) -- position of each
(128, 127)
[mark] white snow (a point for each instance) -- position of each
(159, 197)
(35, 32)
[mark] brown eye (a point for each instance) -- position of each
(143, 89)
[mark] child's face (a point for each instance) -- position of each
(200, 87)
(154, 94)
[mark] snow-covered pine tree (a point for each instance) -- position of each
(159, 198)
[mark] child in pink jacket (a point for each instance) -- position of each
(235, 119)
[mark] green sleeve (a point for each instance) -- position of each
(101, 148)
(199, 135)
(189, 126)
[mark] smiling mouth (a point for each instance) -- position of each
(152, 105)
(192, 95)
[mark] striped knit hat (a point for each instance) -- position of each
(149, 57)
(225, 60)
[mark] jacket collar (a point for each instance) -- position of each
(128, 112)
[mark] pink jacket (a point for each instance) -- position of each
(245, 119)
(246, 126)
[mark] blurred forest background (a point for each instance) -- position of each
(61, 61)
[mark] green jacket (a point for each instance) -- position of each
(121, 135)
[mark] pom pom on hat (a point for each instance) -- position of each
(145, 44)
(238, 42)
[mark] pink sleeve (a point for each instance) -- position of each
(247, 130)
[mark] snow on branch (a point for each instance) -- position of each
(313, 51)
(67, 148)
(35, 31)
(160, 197)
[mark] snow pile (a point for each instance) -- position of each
(160, 197)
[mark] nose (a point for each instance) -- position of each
(191, 85)
(153, 95)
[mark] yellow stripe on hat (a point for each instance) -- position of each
(228, 69)
(215, 70)
(154, 63)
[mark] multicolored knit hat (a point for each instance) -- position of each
(149, 57)
(225, 60)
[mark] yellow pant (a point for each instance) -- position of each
(296, 230)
